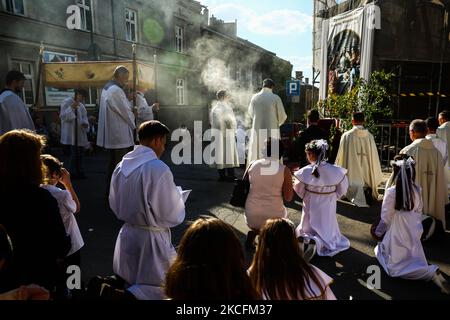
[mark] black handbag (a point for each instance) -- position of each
(241, 191)
(368, 195)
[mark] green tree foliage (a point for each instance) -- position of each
(371, 97)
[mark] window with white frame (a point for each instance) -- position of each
(250, 76)
(238, 74)
(259, 79)
(26, 68)
(86, 14)
(91, 99)
(131, 25)
(244, 75)
(232, 71)
(179, 39)
(15, 6)
(181, 92)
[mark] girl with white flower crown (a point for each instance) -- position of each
(320, 184)
(399, 232)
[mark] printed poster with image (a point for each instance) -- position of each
(344, 51)
(347, 50)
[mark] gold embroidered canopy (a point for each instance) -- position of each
(69, 75)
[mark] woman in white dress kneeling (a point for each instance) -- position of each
(320, 184)
(400, 250)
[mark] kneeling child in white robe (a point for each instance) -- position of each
(320, 185)
(400, 252)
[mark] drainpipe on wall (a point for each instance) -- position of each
(113, 28)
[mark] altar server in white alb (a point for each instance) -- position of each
(400, 250)
(443, 132)
(440, 144)
(358, 154)
(75, 123)
(223, 121)
(143, 195)
(116, 121)
(14, 113)
(145, 112)
(320, 184)
(267, 114)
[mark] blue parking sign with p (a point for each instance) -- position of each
(293, 88)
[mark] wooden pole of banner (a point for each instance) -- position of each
(135, 88)
(134, 75)
(155, 69)
(77, 151)
(39, 79)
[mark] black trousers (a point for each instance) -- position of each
(227, 172)
(61, 291)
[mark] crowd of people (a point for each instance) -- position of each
(40, 238)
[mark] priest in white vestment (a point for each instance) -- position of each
(430, 174)
(74, 118)
(358, 154)
(145, 112)
(14, 113)
(440, 144)
(116, 123)
(443, 132)
(267, 114)
(320, 185)
(223, 120)
(144, 196)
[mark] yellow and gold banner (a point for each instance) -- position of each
(72, 75)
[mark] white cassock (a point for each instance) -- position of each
(319, 221)
(14, 113)
(67, 115)
(143, 195)
(401, 253)
(144, 111)
(443, 132)
(439, 144)
(224, 121)
(430, 177)
(116, 122)
(267, 113)
(358, 154)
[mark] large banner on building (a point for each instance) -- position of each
(347, 48)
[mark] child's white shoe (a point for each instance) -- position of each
(308, 247)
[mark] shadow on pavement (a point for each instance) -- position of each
(365, 215)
